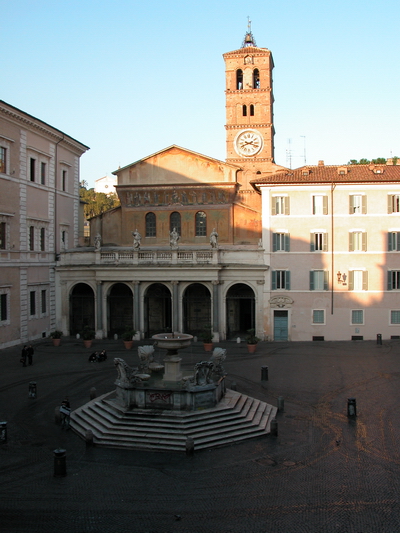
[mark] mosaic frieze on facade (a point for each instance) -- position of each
(171, 197)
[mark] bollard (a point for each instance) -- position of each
(60, 463)
(32, 389)
(3, 432)
(351, 408)
(57, 415)
(264, 373)
(281, 404)
(89, 438)
(233, 385)
(93, 393)
(189, 446)
(379, 338)
(274, 427)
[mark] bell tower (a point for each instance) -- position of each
(249, 108)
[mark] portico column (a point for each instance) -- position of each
(215, 310)
(136, 306)
(175, 306)
(99, 313)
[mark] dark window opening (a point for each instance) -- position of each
(31, 238)
(42, 239)
(239, 79)
(32, 303)
(318, 338)
(252, 110)
(64, 180)
(201, 224)
(3, 307)
(44, 302)
(357, 338)
(3, 152)
(2, 235)
(256, 79)
(245, 111)
(150, 225)
(175, 222)
(43, 173)
(32, 169)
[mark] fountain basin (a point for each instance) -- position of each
(172, 342)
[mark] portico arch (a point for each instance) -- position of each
(240, 310)
(157, 309)
(196, 309)
(81, 308)
(119, 309)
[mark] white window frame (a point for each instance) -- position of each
(391, 323)
(323, 323)
(319, 204)
(352, 323)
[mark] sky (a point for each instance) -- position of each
(129, 78)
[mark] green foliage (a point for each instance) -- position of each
(87, 334)
(207, 335)
(56, 334)
(96, 202)
(377, 161)
(251, 337)
(128, 334)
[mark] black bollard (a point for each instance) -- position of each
(281, 404)
(3, 432)
(189, 446)
(93, 393)
(264, 373)
(60, 463)
(379, 338)
(32, 389)
(351, 408)
(89, 438)
(274, 427)
(233, 385)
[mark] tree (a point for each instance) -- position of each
(377, 161)
(96, 202)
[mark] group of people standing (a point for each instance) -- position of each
(27, 354)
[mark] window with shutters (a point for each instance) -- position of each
(320, 204)
(394, 203)
(280, 242)
(358, 280)
(280, 280)
(394, 241)
(318, 241)
(393, 282)
(319, 280)
(357, 241)
(280, 205)
(357, 204)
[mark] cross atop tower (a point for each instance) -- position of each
(248, 38)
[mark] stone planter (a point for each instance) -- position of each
(208, 346)
(56, 342)
(87, 343)
(128, 344)
(251, 348)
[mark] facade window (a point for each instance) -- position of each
(31, 238)
(320, 204)
(357, 204)
(64, 239)
(32, 303)
(3, 235)
(256, 79)
(394, 241)
(43, 302)
(357, 316)
(239, 79)
(393, 280)
(4, 307)
(3, 159)
(280, 280)
(318, 316)
(175, 222)
(280, 205)
(358, 280)
(394, 203)
(357, 241)
(64, 180)
(395, 316)
(318, 242)
(32, 168)
(42, 239)
(244, 110)
(150, 225)
(201, 224)
(319, 280)
(252, 110)
(43, 173)
(280, 242)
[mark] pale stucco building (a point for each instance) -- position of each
(40, 217)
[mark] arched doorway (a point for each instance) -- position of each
(120, 309)
(196, 309)
(240, 310)
(81, 308)
(157, 309)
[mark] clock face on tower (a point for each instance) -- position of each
(248, 143)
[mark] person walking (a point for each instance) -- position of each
(29, 352)
(65, 411)
(24, 355)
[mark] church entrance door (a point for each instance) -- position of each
(196, 309)
(157, 309)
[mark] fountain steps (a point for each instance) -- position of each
(237, 417)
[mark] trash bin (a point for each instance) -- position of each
(379, 338)
(3, 432)
(32, 389)
(264, 373)
(60, 463)
(351, 408)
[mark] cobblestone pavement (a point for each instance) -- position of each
(323, 472)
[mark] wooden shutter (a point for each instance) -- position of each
(351, 242)
(351, 280)
(311, 280)
(389, 280)
(312, 242)
(351, 204)
(273, 280)
(325, 205)
(364, 204)
(273, 205)
(390, 241)
(364, 241)
(326, 280)
(274, 242)
(390, 203)
(287, 242)
(325, 242)
(365, 280)
(287, 280)
(287, 205)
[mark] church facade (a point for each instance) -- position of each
(240, 244)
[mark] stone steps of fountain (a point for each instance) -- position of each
(235, 418)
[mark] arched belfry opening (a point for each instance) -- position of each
(239, 79)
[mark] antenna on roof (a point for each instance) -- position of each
(289, 153)
(305, 159)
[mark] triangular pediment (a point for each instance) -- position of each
(176, 165)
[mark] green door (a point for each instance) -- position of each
(280, 325)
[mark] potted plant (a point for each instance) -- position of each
(252, 340)
(207, 338)
(56, 336)
(87, 334)
(127, 337)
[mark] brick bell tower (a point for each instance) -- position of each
(249, 113)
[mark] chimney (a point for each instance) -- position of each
(321, 163)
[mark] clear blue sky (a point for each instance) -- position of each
(129, 78)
